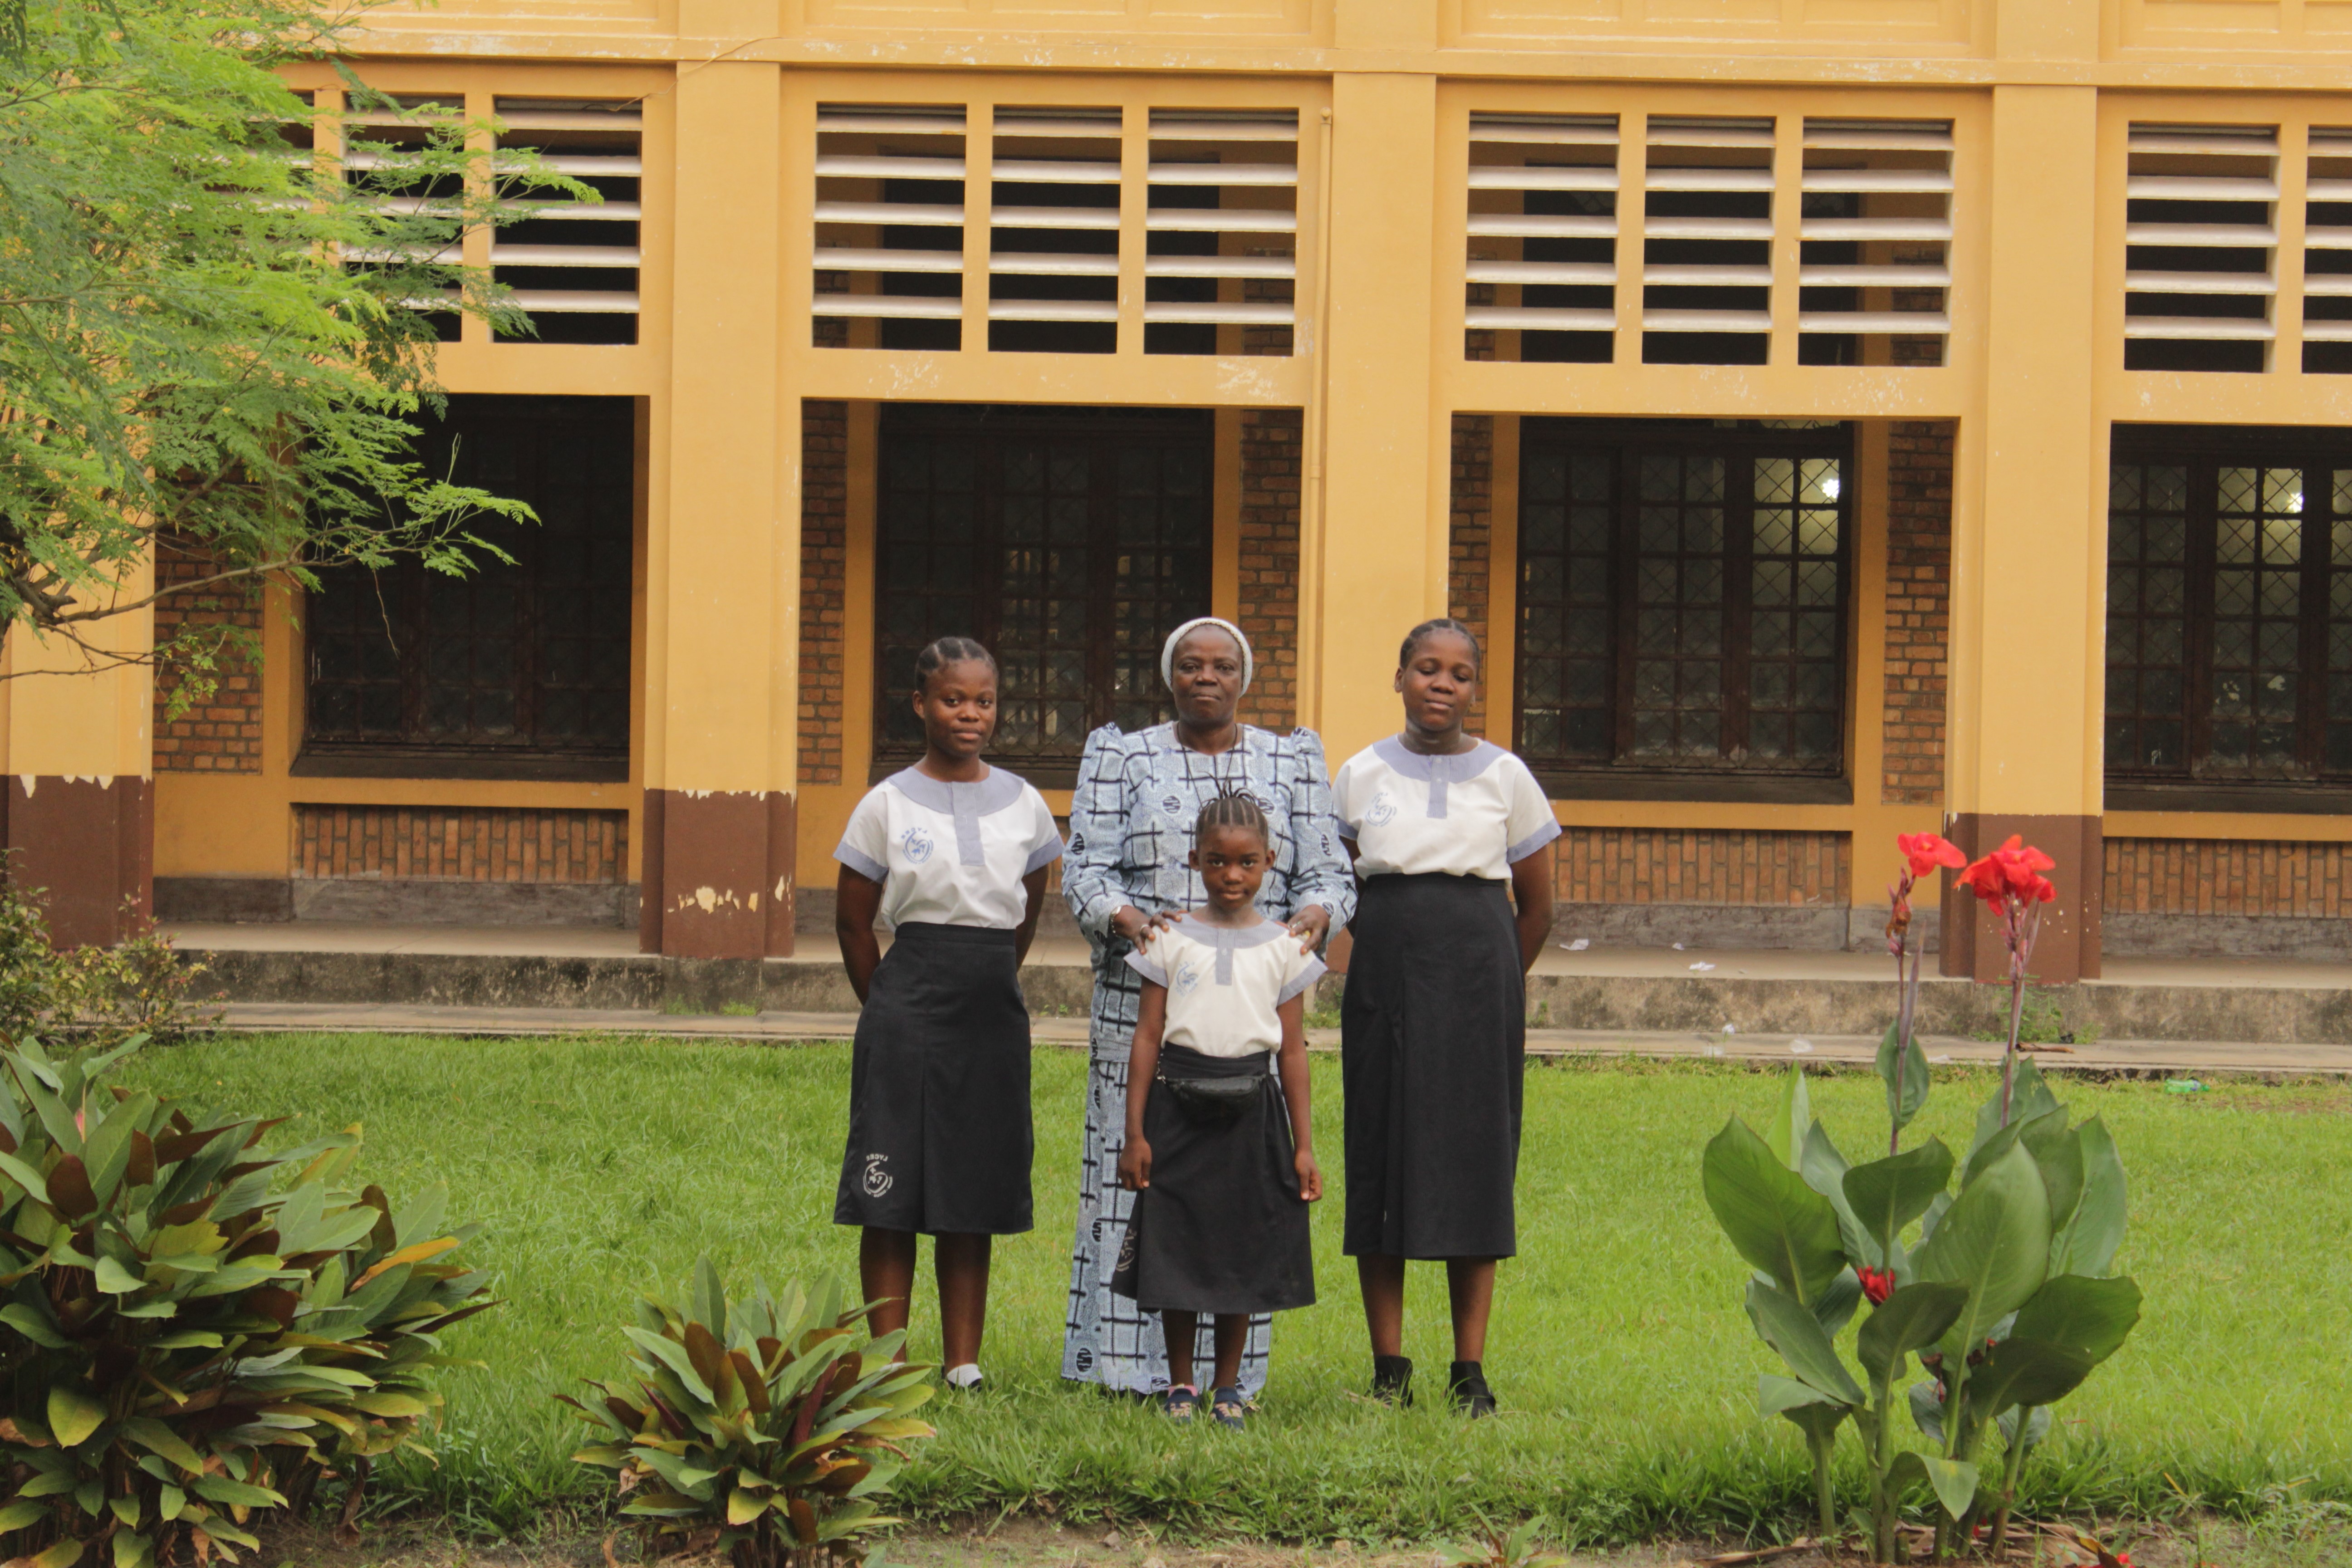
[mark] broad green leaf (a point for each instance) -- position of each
(2002, 1138)
(1886, 1195)
(1824, 1168)
(1954, 1480)
(17, 1515)
(1789, 1329)
(132, 1550)
(1911, 1319)
(390, 1403)
(1819, 1423)
(1995, 1240)
(1775, 1221)
(2094, 1316)
(34, 1324)
(237, 1493)
(743, 1507)
(24, 1176)
(1776, 1395)
(116, 1281)
(1834, 1308)
(2037, 1425)
(2027, 1372)
(64, 1554)
(1903, 1069)
(1792, 1121)
(158, 1438)
(126, 1508)
(74, 1414)
(709, 1298)
(2091, 1238)
(2030, 1098)
(2058, 1152)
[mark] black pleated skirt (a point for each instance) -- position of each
(939, 1137)
(1221, 1227)
(1432, 1045)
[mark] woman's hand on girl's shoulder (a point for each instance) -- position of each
(1139, 927)
(1310, 925)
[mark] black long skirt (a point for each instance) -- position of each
(1432, 1045)
(1221, 1227)
(940, 1138)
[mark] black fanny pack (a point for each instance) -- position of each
(1213, 1101)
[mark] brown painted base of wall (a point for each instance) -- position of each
(2068, 947)
(718, 874)
(394, 900)
(89, 845)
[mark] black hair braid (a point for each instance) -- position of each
(941, 652)
(1413, 640)
(1232, 808)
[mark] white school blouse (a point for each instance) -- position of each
(950, 854)
(1225, 983)
(1475, 813)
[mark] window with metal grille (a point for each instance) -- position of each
(1681, 598)
(2229, 608)
(1069, 541)
(520, 670)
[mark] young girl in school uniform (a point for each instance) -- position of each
(951, 855)
(1222, 1160)
(1433, 1023)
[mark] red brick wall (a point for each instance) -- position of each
(824, 555)
(460, 843)
(1918, 606)
(2226, 877)
(1469, 550)
(223, 733)
(1272, 452)
(1675, 866)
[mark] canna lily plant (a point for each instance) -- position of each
(2000, 1287)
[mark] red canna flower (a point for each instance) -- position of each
(1876, 1283)
(1925, 851)
(2012, 872)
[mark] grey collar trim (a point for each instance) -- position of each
(1230, 939)
(966, 802)
(1437, 772)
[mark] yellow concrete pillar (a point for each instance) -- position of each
(79, 809)
(1380, 559)
(724, 556)
(2022, 747)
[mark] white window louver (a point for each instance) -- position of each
(574, 265)
(1221, 228)
(2200, 233)
(1542, 226)
(1875, 234)
(1707, 261)
(2327, 247)
(889, 226)
(375, 144)
(1053, 228)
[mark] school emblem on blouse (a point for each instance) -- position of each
(877, 1180)
(1382, 811)
(1188, 975)
(919, 844)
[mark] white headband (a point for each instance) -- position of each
(1168, 648)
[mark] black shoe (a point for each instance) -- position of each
(1466, 1383)
(1393, 1381)
(1229, 1408)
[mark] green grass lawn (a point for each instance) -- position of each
(603, 1168)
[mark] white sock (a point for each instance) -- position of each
(964, 1376)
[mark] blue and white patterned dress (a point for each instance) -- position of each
(1131, 821)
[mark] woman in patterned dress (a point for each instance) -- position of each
(1130, 828)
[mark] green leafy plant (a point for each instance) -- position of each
(92, 997)
(1519, 1549)
(2000, 1288)
(195, 1329)
(764, 1427)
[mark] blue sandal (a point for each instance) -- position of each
(1178, 1403)
(1228, 1407)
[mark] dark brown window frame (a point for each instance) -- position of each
(2204, 450)
(1106, 428)
(1720, 780)
(332, 756)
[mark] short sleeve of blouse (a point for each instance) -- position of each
(1148, 968)
(1303, 969)
(1344, 788)
(1045, 841)
(864, 844)
(1529, 824)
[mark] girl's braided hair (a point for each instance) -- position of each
(1232, 808)
(1413, 640)
(941, 652)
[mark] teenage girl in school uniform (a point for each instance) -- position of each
(1433, 1022)
(950, 854)
(1221, 1159)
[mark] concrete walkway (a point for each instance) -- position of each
(2154, 1058)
